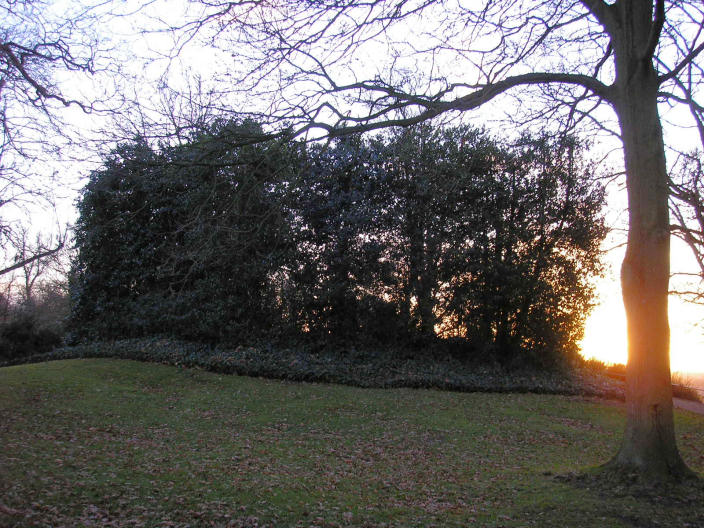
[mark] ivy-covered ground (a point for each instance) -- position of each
(431, 369)
(107, 442)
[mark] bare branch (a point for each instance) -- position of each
(468, 102)
(682, 65)
(655, 30)
(33, 258)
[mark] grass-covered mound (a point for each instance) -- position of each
(369, 369)
(120, 443)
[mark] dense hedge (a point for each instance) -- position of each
(347, 367)
(33, 323)
(366, 242)
(181, 240)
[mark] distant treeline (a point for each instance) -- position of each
(425, 236)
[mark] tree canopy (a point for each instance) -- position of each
(397, 240)
(47, 52)
(181, 240)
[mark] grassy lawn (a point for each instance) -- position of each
(121, 443)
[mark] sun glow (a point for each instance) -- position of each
(605, 332)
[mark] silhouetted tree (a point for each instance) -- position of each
(524, 284)
(442, 230)
(687, 210)
(181, 241)
(329, 204)
(46, 50)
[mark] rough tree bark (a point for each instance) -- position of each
(649, 445)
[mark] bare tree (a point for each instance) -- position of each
(34, 257)
(49, 51)
(687, 221)
(333, 68)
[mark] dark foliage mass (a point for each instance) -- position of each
(22, 335)
(346, 366)
(422, 237)
(182, 241)
(34, 324)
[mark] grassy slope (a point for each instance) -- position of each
(88, 442)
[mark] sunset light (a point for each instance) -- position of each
(605, 331)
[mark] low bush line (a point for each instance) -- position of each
(346, 367)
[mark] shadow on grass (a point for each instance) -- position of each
(610, 483)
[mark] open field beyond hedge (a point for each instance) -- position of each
(105, 442)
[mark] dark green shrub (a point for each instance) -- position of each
(21, 335)
(182, 240)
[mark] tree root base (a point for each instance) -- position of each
(680, 488)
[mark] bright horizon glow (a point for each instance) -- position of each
(605, 329)
(605, 334)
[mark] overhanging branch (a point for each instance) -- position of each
(38, 256)
(434, 107)
(685, 62)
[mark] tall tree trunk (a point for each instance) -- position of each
(428, 283)
(649, 445)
